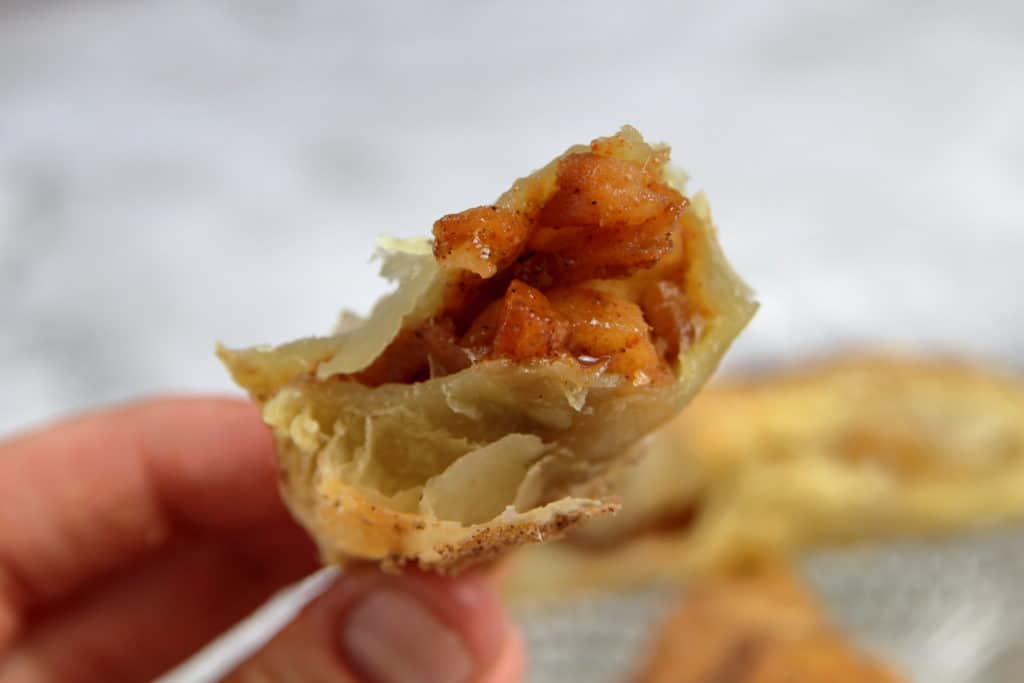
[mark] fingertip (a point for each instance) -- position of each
(467, 603)
(465, 607)
(376, 628)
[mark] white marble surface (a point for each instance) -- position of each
(179, 171)
(176, 172)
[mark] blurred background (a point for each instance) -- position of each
(176, 173)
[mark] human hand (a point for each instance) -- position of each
(131, 537)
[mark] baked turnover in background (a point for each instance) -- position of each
(759, 467)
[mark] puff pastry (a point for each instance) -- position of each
(524, 350)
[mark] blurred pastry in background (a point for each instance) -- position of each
(757, 467)
(764, 627)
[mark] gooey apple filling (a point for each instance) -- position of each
(586, 265)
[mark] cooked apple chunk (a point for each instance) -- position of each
(525, 349)
(483, 240)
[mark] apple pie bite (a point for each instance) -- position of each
(524, 350)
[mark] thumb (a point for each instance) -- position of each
(369, 627)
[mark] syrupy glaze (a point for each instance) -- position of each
(593, 274)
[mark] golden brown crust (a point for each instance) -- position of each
(761, 628)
